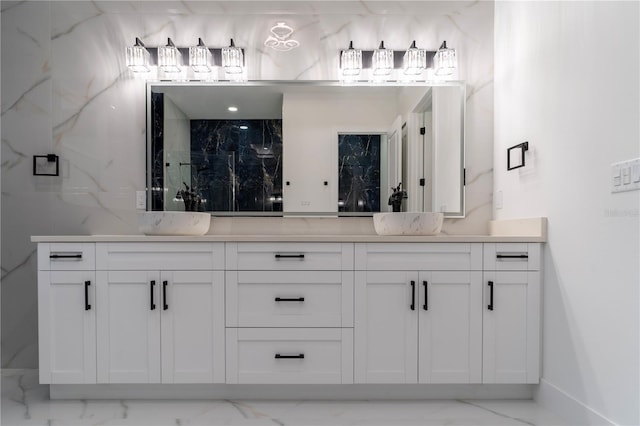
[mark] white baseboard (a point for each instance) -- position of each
(564, 405)
(298, 392)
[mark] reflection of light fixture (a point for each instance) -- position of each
(444, 60)
(414, 60)
(262, 151)
(169, 57)
(232, 59)
(138, 57)
(200, 58)
(280, 40)
(351, 61)
(244, 127)
(382, 61)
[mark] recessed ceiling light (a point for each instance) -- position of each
(233, 109)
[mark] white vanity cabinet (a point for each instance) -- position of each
(418, 316)
(289, 312)
(511, 313)
(160, 313)
(66, 313)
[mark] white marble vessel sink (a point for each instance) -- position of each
(408, 223)
(174, 223)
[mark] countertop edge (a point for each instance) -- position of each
(290, 238)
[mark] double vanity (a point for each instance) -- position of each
(122, 311)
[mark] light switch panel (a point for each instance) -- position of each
(625, 176)
(141, 200)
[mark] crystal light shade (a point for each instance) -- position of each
(200, 58)
(382, 61)
(351, 61)
(138, 57)
(169, 57)
(444, 60)
(232, 59)
(414, 60)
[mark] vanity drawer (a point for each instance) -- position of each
(66, 256)
(289, 298)
(418, 256)
(281, 355)
(159, 256)
(289, 256)
(511, 256)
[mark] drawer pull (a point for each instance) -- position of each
(289, 299)
(165, 306)
(413, 296)
(66, 256)
(280, 356)
(289, 256)
(490, 306)
(87, 306)
(151, 286)
(512, 256)
(426, 295)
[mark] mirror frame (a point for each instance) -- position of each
(412, 123)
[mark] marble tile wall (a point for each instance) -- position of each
(66, 90)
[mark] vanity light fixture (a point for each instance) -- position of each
(200, 58)
(138, 57)
(232, 59)
(169, 57)
(444, 60)
(350, 62)
(414, 60)
(382, 61)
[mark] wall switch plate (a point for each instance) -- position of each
(625, 176)
(141, 200)
(498, 200)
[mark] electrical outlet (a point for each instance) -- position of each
(141, 200)
(305, 203)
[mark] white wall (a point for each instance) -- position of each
(567, 80)
(66, 90)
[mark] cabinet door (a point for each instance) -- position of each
(67, 326)
(386, 327)
(128, 326)
(511, 322)
(192, 327)
(450, 327)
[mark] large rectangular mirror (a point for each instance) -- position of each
(304, 148)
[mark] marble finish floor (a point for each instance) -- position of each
(25, 402)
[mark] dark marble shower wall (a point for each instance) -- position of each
(359, 173)
(236, 165)
(157, 151)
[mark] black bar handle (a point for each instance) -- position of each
(151, 288)
(289, 299)
(490, 306)
(426, 295)
(289, 256)
(164, 295)
(280, 356)
(512, 256)
(413, 296)
(87, 306)
(65, 256)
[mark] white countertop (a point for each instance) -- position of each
(289, 238)
(528, 230)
